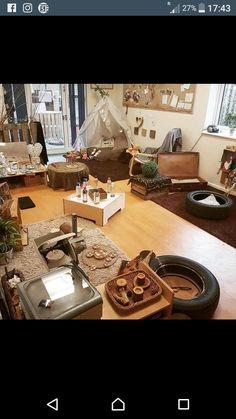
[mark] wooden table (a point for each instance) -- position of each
(65, 175)
(100, 213)
(35, 176)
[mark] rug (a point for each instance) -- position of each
(224, 230)
(26, 202)
(31, 264)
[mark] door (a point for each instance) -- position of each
(49, 104)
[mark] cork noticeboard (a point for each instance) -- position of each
(165, 97)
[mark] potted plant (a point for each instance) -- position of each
(230, 121)
(9, 238)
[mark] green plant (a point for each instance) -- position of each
(101, 91)
(230, 120)
(9, 235)
(149, 169)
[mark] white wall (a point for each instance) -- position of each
(210, 147)
(163, 121)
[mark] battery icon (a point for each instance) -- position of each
(201, 8)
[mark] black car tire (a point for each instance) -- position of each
(202, 306)
(214, 212)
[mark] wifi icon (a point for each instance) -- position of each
(176, 9)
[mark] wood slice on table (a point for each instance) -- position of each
(56, 258)
(99, 256)
(55, 255)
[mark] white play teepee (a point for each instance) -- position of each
(104, 122)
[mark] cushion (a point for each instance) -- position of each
(209, 200)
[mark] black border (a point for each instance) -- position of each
(118, 49)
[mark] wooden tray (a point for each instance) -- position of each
(148, 296)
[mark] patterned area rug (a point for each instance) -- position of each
(30, 262)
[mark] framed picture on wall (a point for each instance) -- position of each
(102, 86)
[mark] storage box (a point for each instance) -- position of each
(103, 194)
(182, 167)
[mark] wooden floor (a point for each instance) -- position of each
(146, 225)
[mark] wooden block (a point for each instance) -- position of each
(24, 236)
(152, 134)
(144, 132)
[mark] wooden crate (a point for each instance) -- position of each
(34, 179)
(142, 192)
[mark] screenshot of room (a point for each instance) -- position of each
(88, 173)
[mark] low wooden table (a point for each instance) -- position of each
(35, 176)
(100, 213)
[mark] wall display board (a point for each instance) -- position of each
(165, 97)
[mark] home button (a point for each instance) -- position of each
(118, 405)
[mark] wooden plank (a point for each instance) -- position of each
(15, 133)
(6, 136)
(24, 129)
(33, 131)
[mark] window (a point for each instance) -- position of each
(60, 108)
(15, 103)
(77, 109)
(228, 103)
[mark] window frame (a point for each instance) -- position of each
(213, 110)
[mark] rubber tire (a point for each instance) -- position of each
(213, 212)
(203, 306)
